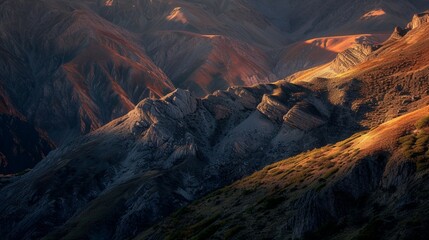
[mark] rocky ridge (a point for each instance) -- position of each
(172, 151)
(368, 186)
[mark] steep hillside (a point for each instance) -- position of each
(373, 185)
(69, 71)
(205, 63)
(332, 17)
(21, 146)
(388, 79)
(162, 155)
(71, 66)
(268, 27)
(317, 51)
(121, 178)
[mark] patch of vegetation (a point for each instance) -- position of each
(323, 232)
(271, 202)
(330, 172)
(209, 231)
(320, 187)
(233, 231)
(422, 123)
(371, 231)
(416, 146)
(197, 227)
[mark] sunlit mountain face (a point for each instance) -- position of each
(215, 119)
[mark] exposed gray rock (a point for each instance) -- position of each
(272, 108)
(305, 116)
(160, 156)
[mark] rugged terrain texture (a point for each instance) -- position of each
(69, 67)
(388, 79)
(169, 152)
(165, 153)
(373, 185)
(69, 71)
(270, 27)
(21, 146)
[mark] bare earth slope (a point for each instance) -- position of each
(165, 153)
(388, 79)
(168, 151)
(270, 27)
(120, 179)
(21, 146)
(373, 185)
(69, 71)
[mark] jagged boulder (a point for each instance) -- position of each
(272, 108)
(305, 116)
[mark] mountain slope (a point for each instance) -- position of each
(206, 63)
(165, 153)
(21, 146)
(396, 72)
(270, 27)
(69, 71)
(61, 59)
(372, 185)
(170, 151)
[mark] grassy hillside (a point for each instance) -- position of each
(370, 186)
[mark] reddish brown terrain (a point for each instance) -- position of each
(126, 179)
(170, 121)
(69, 71)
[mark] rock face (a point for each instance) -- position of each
(272, 108)
(306, 116)
(418, 20)
(167, 152)
(21, 146)
(83, 63)
(206, 63)
(363, 186)
(160, 156)
(69, 71)
(353, 56)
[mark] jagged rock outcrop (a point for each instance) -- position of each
(418, 20)
(272, 108)
(160, 156)
(398, 33)
(75, 61)
(306, 116)
(363, 187)
(68, 71)
(353, 56)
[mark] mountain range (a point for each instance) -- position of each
(213, 119)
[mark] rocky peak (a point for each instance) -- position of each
(353, 56)
(418, 20)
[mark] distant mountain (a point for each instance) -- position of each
(71, 66)
(69, 71)
(123, 177)
(271, 27)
